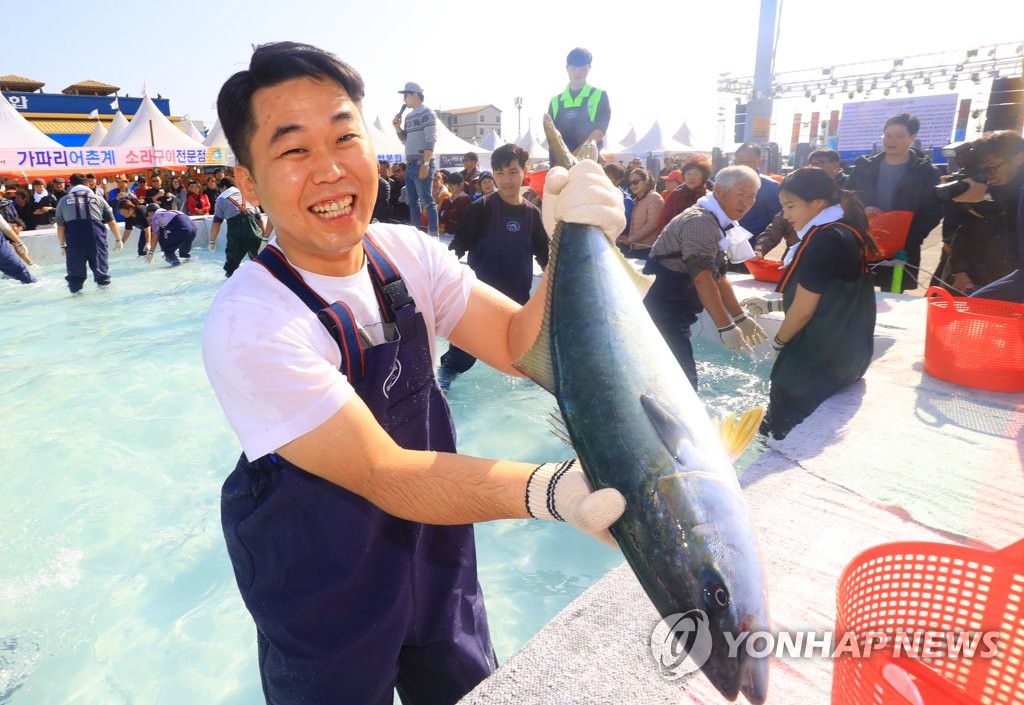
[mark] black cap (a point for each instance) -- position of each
(152, 208)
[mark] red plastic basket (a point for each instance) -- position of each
(537, 179)
(889, 230)
(765, 270)
(937, 588)
(975, 343)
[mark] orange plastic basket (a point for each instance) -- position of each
(937, 588)
(975, 343)
(889, 230)
(765, 270)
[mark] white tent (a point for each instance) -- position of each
(449, 144)
(614, 146)
(629, 139)
(150, 128)
(99, 133)
(189, 128)
(387, 146)
(531, 144)
(492, 141)
(215, 137)
(117, 128)
(656, 142)
(684, 135)
(18, 133)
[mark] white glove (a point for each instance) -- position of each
(118, 245)
(777, 346)
(584, 195)
(213, 245)
(759, 306)
(753, 333)
(734, 340)
(149, 257)
(560, 491)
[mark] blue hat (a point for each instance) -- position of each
(486, 175)
(411, 87)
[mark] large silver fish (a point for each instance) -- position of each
(637, 425)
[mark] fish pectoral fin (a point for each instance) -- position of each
(738, 430)
(669, 429)
(558, 427)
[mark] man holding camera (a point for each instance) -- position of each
(899, 178)
(984, 222)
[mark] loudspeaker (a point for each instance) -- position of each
(1005, 104)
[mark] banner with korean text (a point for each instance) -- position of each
(104, 160)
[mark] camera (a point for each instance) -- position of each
(969, 160)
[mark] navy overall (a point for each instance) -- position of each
(11, 264)
(503, 258)
(349, 601)
(176, 238)
(673, 304)
(86, 240)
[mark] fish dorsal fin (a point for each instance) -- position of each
(737, 430)
(666, 425)
(642, 282)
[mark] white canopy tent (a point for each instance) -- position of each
(386, 143)
(150, 128)
(189, 128)
(492, 141)
(450, 148)
(17, 132)
(684, 135)
(117, 128)
(99, 133)
(656, 143)
(532, 145)
(216, 138)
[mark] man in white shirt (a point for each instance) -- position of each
(348, 517)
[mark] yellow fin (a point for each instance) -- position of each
(737, 430)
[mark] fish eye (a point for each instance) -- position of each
(716, 596)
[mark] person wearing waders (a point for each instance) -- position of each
(826, 340)
(81, 217)
(348, 518)
(246, 232)
(503, 235)
(175, 232)
(10, 263)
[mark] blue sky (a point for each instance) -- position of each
(656, 59)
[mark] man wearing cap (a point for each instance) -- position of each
(175, 232)
(43, 205)
(57, 188)
(419, 136)
(81, 216)
(581, 112)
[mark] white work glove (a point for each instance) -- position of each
(584, 195)
(149, 257)
(560, 491)
(752, 332)
(213, 245)
(734, 340)
(118, 245)
(777, 346)
(759, 306)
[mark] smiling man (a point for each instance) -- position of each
(503, 235)
(348, 516)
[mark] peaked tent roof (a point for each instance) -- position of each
(656, 141)
(117, 128)
(216, 138)
(190, 129)
(492, 141)
(532, 145)
(99, 133)
(387, 146)
(19, 133)
(449, 143)
(685, 135)
(150, 127)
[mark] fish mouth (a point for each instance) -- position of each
(754, 678)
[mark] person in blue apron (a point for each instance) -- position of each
(581, 112)
(689, 260)
(175, 232)
(82, 222)
(826, 340)
(11, 264)
(503, 234)
(348, 517)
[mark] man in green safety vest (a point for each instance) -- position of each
(580, 112)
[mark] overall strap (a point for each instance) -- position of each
(392, 295)
(81, 201)
(337, 318)
(803, 244)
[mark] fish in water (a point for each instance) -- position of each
(637, 425)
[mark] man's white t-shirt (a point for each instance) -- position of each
(272, 364)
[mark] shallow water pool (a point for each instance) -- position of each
(114, 583)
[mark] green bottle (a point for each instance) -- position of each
(897, 273)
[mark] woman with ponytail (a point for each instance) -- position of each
(827, 337)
